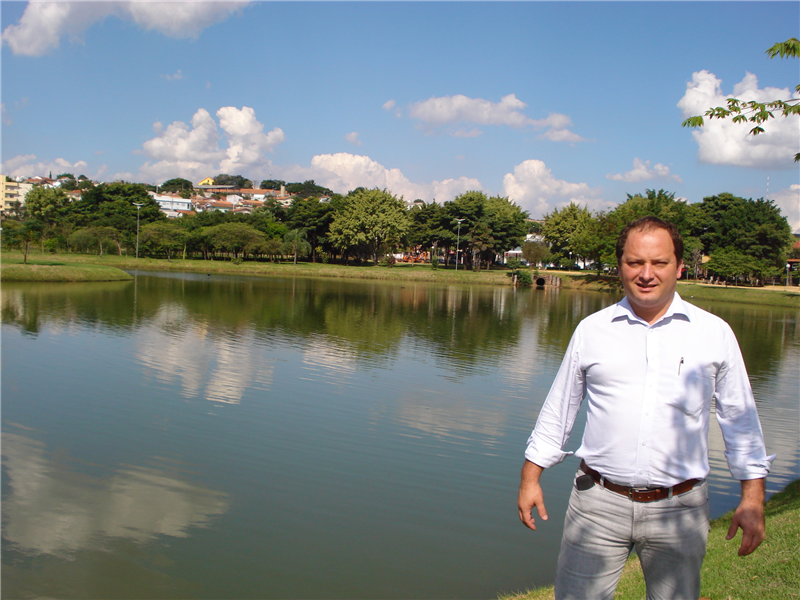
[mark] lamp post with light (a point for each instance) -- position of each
(138, 206)
(458, 240)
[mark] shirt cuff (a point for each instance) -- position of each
(544, 456)
(746, 467)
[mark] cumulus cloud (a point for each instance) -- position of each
(643, 172)
(723, 142)
(459, 110)
(533, 187)
(352, 137)
(44, 24)
(194, 152)
(343, 172)
(27, 166)
(789, 202)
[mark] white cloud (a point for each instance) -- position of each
(6, 119)
(391, 105)
(789, 203)
(723, 142)
(194, 152)
(26, 166)
(352, 137)
(343, 172)
(459, 109)
(175, 77)
(533, 187)
(643, 172)
(43, 24)
(247, 141)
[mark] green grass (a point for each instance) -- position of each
(771, 573)
(58, 270)
(581, 280)
(774, 296)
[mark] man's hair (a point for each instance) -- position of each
(650, 224)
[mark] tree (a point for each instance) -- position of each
(753, 112)
(21, 235)
(752, 227)
(482, 243)
(536, 253)
(369, 219)
(308, 189)
(272, 184)
(88, 237)
(112, 205)
(313, 216)
(49, 206)
(238, 181)
(165, 236)
(563, 228)
(295, 243)
(176, 185)
(234, 237)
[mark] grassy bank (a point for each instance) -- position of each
(58, 270)
(771, 573)
(773, 296)
(408, 272)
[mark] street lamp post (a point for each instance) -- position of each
(458, 240)
(138, 206)
(787, 275)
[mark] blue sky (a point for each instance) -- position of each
(545, 103)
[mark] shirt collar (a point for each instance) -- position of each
(624, 310)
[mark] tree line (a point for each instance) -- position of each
(743, 238)
(363, 225)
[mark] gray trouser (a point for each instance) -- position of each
(602, 526)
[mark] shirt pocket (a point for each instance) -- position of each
(693, 386)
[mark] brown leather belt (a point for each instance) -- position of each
(640, 494)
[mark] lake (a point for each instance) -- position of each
(194, 436)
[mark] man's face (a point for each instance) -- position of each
(649, 272)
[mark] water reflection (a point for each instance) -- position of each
(57, 510)
(321, 407)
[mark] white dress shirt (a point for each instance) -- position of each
(649, 391)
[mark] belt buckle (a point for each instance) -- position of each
(637, 490)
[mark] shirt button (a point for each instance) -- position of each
(644, 443)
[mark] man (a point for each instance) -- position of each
(648, 368)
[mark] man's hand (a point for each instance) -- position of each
(530, 494)
(749, 515)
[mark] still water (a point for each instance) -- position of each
(187, 436)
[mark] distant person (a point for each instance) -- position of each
(648, 368)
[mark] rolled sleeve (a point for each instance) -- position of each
(737, 416)
(557, 417)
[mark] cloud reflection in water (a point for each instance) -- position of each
(56, 510)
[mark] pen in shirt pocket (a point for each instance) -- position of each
(679, 366)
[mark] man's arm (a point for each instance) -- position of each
(530, 494)
(749, 515)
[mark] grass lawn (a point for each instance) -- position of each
(581, 280)
(771, 573)
(57, 270)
